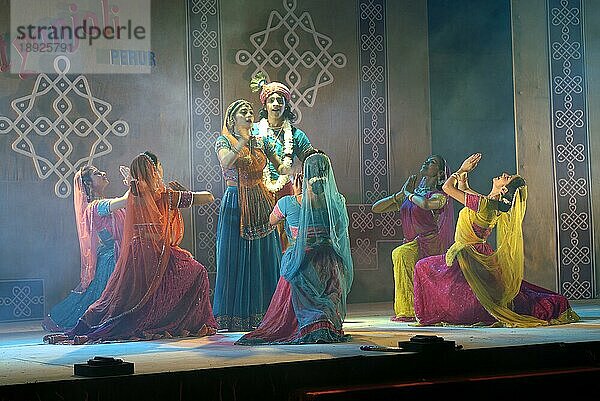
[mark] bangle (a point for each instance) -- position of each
(455, 175)
(396, 200)
(410, 197)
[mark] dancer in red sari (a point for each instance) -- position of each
(157, 289)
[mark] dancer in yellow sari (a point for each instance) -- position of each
(475, 284)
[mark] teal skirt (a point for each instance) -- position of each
(247, 270)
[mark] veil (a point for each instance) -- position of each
(323, 218)
(151, 228)
(87, 241)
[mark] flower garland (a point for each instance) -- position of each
(288, 147)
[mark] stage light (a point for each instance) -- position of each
(103, 366)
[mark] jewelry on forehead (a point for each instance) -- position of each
(148, 158)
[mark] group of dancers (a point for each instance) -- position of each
(284, 265)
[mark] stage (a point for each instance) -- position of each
(31, 369)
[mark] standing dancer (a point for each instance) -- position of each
(158, 290)
(427, 219)
(100, 229)
(309, 305)
(248, 248)
(276, 119)
(473, 284)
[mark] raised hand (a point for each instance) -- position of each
(470, 163)
(409, 185)
(126, 175)
(297, 184)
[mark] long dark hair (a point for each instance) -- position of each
(140, 171)
(506, 200)
(86, 180)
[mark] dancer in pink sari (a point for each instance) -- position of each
(473, 284)
(157, 289)
(427, 218)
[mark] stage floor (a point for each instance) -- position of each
(24, 358)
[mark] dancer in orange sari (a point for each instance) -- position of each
(157, 289)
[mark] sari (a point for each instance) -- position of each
(248, 248)
(309, 305)
(426, 233)
(100, 232)
(158, 290)
(473, 284)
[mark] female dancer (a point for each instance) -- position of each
(157, 289)
(475, 284)
(309, 305)
(100, 229)
(427, 219)
(248, 248)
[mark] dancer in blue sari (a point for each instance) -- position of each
(248, 248)
(309, 305)
(100, 229)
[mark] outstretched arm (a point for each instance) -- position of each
(118, 203)
(198, 198)
(390, 203)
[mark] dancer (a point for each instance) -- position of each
(276, 119)
(427, 219)
(474, 284)
(248, 248)
(157, 289)
(99, 223)
(309, 305)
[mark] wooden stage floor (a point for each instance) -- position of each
(26, 360)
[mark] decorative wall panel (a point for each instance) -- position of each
(204, 51)
(373, 100)
(21, 300)
(305, 54)
(571, 149)
(52, 136)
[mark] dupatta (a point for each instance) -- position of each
(323, 217)
(88, 243)
(152, 227)
(496, 278)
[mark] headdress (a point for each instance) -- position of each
(229, 120)
(147, 156)
(260, 83)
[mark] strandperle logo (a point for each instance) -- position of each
(97, 36)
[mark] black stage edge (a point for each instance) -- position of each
(543, 370)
